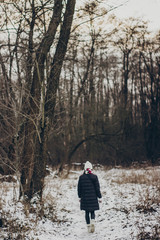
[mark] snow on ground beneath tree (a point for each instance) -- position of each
(130, 208)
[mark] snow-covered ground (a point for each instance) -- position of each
(130, 208)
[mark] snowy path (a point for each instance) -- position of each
(130, 206)
(117, 218)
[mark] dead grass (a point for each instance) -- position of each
(147, 184)
(148, 181)
(153, 235)
(149, 200)
(150, 177)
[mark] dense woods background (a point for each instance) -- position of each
(95, 97)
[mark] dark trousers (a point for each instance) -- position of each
(89, 215)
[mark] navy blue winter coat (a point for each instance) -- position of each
(89, 192)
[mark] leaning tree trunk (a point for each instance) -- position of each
(36, 126)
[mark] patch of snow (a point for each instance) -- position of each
(122, 214)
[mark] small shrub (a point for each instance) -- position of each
(154, 234)
(149, 199)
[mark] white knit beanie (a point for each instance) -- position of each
(88, 165)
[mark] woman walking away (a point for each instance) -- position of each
(89, 192)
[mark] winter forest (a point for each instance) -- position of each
(76, 84)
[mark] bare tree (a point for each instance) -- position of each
(50, 23)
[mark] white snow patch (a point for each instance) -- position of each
(128, 207)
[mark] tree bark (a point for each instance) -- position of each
(34, 154)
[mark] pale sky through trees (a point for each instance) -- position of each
(146, 9)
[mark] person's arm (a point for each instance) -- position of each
(79, 188)
(97, 187)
